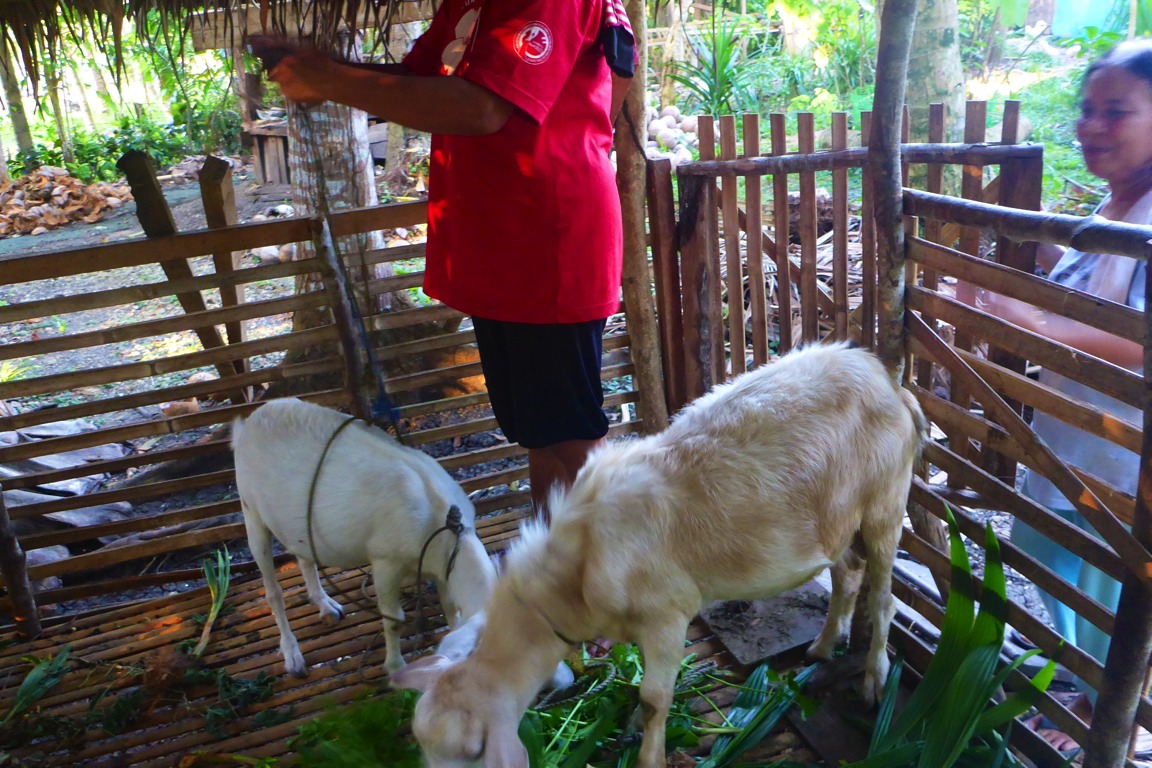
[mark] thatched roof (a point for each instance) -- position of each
(34, 28)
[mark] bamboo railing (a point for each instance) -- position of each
(987, 237)
(207, 311)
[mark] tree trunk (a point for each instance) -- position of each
(3, 172)
(935, 75)
(88, 113)
(54, 85)
(671, 15)
(12, 95)
(637, 275)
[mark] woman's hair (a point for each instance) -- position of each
(1133, 56)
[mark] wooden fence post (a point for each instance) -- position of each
(156, 219)
(219, 197)
(637, 276)
(1130, 649)
(666, 269)
(14, 566)
(897, 23)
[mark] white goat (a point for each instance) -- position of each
(376, 502)
(754, 489)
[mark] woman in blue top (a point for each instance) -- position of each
(1115, 133)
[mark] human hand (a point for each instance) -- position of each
(303, 74)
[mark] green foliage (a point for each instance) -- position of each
(718, 79)
(372, 731)
(947, 721)
(764, 699)
(592, 728)
(96, 156)
(218, 575)
(1053, 106)
(196, 86)
(1092, 43)
(43, 677)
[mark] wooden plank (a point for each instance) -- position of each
(867, 245)
(971, 154)
(1041, 456)
(156, 218)
(731, 232)
(714, 364)
(132, 461)
(695, 200)
(840, 230)
(162, 326)
(219, 197)
(147, 291)
(133, 253)
(934, 182)
(780, 224)
(754, 229)
(1118, 319)
(666, 270)
(1112, 380)
(809, 312)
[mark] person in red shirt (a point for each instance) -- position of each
(524, 218)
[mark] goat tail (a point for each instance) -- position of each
(237, 428)
(920, 421)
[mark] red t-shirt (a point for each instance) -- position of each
(524, 224)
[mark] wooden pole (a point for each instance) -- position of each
(897, 23)
(1129, 652)
(219, 198)
(156, 219)
(631, 178)
(14, 567)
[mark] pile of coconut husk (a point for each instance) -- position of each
(51, 197)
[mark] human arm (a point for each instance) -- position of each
(443, 105)
(620, 86)
(1095, 342)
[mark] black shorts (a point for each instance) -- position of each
(544, 380)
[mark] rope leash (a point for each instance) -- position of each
(454, 522)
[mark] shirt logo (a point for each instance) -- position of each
(533, 42)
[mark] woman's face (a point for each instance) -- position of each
(1115, 126)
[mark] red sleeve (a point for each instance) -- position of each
(424, 58)
(525, 50)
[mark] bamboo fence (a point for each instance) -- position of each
(729, 296)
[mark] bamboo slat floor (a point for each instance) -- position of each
(119, 651)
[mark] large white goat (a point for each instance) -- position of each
(754, 489)
(375, 502)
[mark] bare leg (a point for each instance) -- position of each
(556, 464)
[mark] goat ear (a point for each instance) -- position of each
(503, 748)
(420, 675)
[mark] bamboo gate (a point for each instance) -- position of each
(710, 252)
(185, 304)
(731, 297)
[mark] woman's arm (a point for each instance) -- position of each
(1094, 341)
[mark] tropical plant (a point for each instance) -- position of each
(43, 676)
(947, 720)
(718, 79)
(217, 575)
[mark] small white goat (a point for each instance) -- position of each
(376, 502)
(753, 490)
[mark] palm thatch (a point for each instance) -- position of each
(35, 28)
